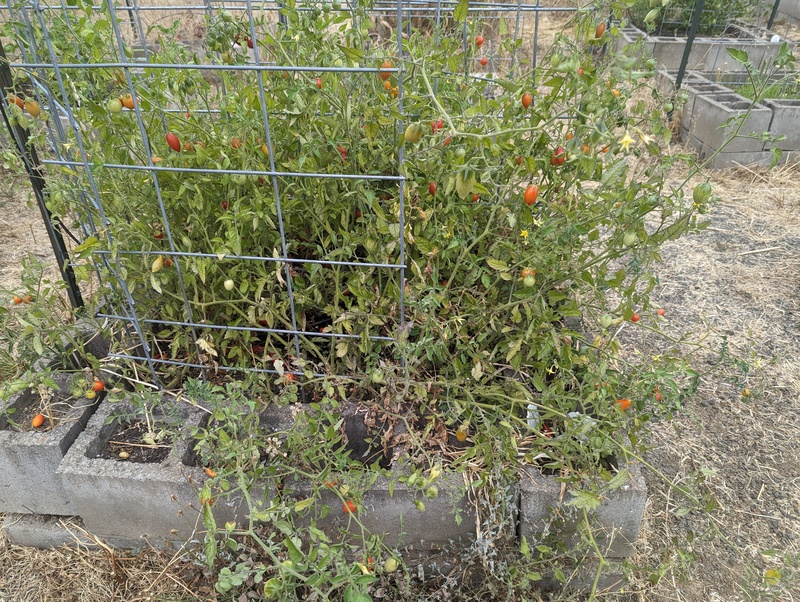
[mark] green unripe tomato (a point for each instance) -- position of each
(701, 193)
(605, 320)
(114, 106)
(629, 239)
(390, 564)
(460, 153)
(229, 285)
(413, 132)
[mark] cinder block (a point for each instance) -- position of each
(124, 499)
(631, 35)
(29, 482)
(448, 518)
(695, 89)
(668, 51)
(389, 508)
(47, 531)
(789, 10)
(616, 521)
(786, 121)
(709, 113)
(725, 160)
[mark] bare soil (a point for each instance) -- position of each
(127, 439)
(22, 229)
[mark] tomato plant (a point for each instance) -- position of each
(346, 208)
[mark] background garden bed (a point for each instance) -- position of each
(707, 54)
(711, 104)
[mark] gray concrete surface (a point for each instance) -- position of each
(616, 521)
(130, 500)
(29, 482)
(47, 531)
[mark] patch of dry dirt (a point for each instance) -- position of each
(22, 228)
(736, 285)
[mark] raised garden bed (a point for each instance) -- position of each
(707, 54)
(30, 456)
(710, 105)
(119, 498)
(413, 517)
(125, 502)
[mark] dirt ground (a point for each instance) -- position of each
(21, 227)
(736, 284)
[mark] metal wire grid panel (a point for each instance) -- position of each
(216, 240)
(715, 19)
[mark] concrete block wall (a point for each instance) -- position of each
(131, 504)
(28, 480)
(789, 11)
(711, 111)
(617, 519)
(122, 499)
(707, 54)
(396, 518)
(710, 105)
(786, 121)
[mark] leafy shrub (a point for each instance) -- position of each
(507, 302)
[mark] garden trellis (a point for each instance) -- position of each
(64, 54)
(387, 190)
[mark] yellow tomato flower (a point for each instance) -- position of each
(524, 234)
(646, 138)
(626, 140)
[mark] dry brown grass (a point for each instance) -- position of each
(79, 574)
(735, 284)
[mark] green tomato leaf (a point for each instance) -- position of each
(738, 55)
(584, 499)
(353, 54)
(464, 184)
(496, 264)
(460, 13)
